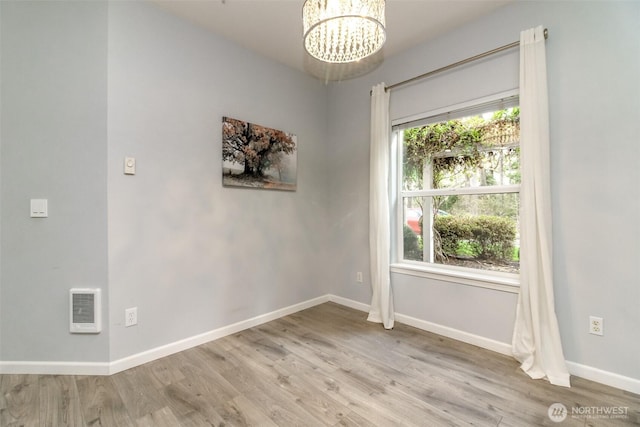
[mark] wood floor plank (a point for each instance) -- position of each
(268, 387)
(166, 371)
(262, 344)
(139, 391)
(321, 405)
(101, 403)
(351, 419)
(59, 401)
(212, 357)
(310, 346)
(324, 366)
(240, 411)
(409, 410)
(4, 406)
(387, 377)
(21, 400)
(163, 417)
(193, 406)
(281, 407)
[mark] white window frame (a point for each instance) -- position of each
(506, 282)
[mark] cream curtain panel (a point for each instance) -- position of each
(536, 337)
(379, 228)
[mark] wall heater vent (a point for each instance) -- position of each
(86, 314)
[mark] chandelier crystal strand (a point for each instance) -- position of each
(341, 31)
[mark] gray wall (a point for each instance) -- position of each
(85, 84)
(194, 256)
(54, 146)
(593, 57)
(191, 255)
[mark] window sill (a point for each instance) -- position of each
(504, 282)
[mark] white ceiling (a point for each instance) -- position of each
(273, 28)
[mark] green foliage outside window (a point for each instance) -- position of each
(481, 237)
(460, 147)
(412, 245)
(469, 152)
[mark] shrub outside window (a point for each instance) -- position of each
(458, 187)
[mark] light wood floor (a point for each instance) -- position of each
(325, 366)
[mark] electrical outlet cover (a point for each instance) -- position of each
(131, 316)
(596, 325)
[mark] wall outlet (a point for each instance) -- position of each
(359, 277)
(596, 325)
(131, 316)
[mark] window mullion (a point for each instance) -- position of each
(493, 189)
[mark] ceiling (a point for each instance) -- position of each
(273, 28)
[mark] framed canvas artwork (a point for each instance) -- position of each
(256, 156)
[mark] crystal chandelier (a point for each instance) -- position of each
(341, 31)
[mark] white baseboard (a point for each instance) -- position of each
(106, 368)
(604, 377)
(54, 368)
(445, 331)
(456, 334)
(349, 303)
(576, 369)
(187, 343)
(99, 368)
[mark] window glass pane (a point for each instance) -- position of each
(473, 151)
(474, 231)
(413, 208)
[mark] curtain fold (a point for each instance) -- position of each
(379, 228)
(536, 337)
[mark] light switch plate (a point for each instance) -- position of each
(129, 166)
(39, 208)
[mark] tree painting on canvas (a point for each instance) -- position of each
(257, 156)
